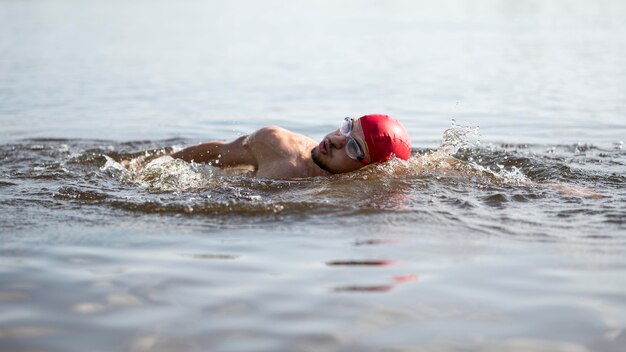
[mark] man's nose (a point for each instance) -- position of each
(338, 140)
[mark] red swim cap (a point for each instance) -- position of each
(385, 137)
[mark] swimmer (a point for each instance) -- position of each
(274, 152)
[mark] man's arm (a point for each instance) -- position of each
(219, 153)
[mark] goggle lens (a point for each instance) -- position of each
(353, 150)
(346, 126)
(352, 147)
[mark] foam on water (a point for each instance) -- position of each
(157, 171)
(459, 174)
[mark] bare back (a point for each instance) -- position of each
(280, 153)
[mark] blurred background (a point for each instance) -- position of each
(523, 71)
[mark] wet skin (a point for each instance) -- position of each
(275, 152)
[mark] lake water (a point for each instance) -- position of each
(505, 231)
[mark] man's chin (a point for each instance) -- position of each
(316, 157)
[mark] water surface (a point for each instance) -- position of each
(503, 231)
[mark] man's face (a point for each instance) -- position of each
(330, 154)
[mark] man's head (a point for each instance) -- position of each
(358, 142)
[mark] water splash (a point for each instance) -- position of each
(459, 137)
(442, 159)
(511, 176)
(161, 174)
(112, 165)
(459, 154)
(169, 174)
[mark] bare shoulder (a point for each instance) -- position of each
(269, 137)
(267, 134)
(273, 144)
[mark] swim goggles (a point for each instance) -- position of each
(353, 149)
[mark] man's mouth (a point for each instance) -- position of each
(323, 147)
